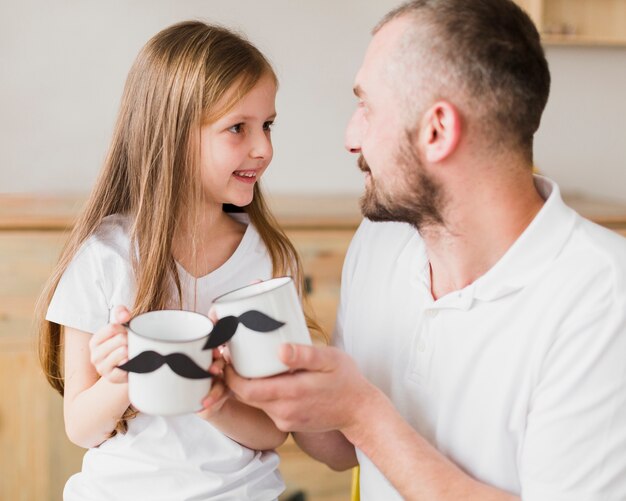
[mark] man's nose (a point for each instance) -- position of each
(353, 133)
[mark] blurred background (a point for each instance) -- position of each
(64, 63)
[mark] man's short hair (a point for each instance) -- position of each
(487, 51)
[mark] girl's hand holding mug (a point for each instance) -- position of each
(109, 347)
(219, 393)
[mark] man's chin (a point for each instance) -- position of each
(372, 209)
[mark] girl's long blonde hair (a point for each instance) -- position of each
(151, 172)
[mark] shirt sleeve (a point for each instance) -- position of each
(575, 443)
(80, 300)
(347, 272)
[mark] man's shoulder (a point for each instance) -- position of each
(599, 247)
(591, 266)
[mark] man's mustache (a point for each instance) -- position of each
(226, 327)
(362, 163)
(150, 361)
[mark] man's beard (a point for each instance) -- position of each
(421, 201)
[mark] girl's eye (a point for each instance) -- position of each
(268, 126)
(236, 129)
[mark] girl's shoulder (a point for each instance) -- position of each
(98, 277)
(110, 241)
(112, 233)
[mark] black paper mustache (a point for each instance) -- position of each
(226, 327)
(181, 364)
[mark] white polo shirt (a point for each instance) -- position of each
(520, 377)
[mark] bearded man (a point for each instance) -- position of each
(481, 334)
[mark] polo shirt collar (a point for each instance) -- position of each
(535, 249)
(528, 258)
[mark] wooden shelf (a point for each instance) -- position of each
(579, 22)
(582, 41)
(341, 212)
(21, 212)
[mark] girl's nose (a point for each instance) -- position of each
(261, 146)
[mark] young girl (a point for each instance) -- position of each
(192, 140)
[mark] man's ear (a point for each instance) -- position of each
(440, 132)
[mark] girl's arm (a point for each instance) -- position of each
(92, 405)
(249, 426)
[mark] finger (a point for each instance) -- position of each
(213, 315)
(217, 367)
(120, 314)
(259, 391)
(311, 358)
(106, 332)
(225, 353)
(118, 375)
(241, 387)
(100, 352)
(218, 392)
(213, 406)
(110, 364)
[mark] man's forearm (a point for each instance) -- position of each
(414, 467)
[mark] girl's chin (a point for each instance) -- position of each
(240, 201)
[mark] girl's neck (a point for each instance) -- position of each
(203, 244)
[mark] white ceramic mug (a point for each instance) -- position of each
(168, 361)
(265, 315)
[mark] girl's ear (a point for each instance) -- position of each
(440, 132)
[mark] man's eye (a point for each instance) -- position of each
(236, 129)
(269, 125)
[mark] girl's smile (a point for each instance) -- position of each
(246, 176)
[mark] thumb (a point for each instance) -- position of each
(120, 314)
(311, 358)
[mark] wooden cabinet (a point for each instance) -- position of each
(36, 457)
(579, 22)
(322, 253)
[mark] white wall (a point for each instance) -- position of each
(582, 139)
(63, 64)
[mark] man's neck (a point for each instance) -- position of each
(481, 225)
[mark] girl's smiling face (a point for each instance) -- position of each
(236, 149)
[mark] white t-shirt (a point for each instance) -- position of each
(520, 377)
(161, 458)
